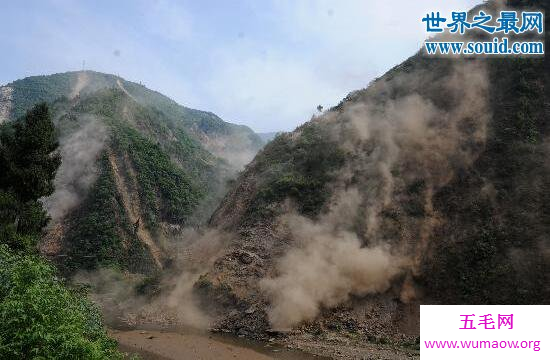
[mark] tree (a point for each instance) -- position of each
(29, 155)
(28, 163)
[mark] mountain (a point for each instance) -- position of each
(224, 139)
(135, 167)
(428, 186)
(268, 136)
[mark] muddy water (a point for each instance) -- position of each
(158, 344)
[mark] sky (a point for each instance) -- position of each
(266, 64)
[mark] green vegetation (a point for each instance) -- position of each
(132, 121)
(190, 119)
(35, 89)
(156, 159)
(94, 239)
(158, 145)
(496, 257)
(29, 163)
(298, 169)
(42, 319)
(167, 192)
(39, 317)
(99, 229)
(38, 89)
(521, 100)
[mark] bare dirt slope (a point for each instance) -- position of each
(132, 206)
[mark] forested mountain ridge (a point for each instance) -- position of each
(136, 166)
(18, 96)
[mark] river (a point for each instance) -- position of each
(180, 344)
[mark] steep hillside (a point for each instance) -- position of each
(429, 186)
(136, 167)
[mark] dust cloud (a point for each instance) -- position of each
(418, 133)
(82, 81)
(236, 149)
(423, 130)
(327, 265)
(6, 98)
(196, 251)
(174, 301)
(79, 152)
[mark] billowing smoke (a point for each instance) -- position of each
(418, 133)
(79, 152)
(327, 265)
